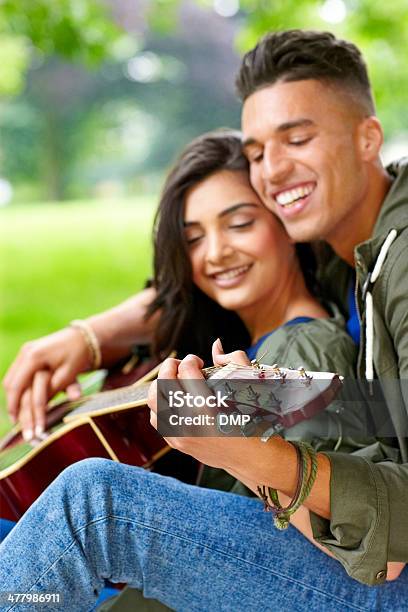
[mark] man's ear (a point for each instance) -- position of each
(370, 138)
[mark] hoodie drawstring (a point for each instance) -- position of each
(368, 299)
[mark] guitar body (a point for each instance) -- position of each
(130, 437)
(121, 433)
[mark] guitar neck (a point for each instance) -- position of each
(118, 399)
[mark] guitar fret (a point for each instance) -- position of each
(113, 399)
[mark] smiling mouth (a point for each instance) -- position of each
(289, 197)
(231, 273)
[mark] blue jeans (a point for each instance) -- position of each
(6, 526)
(193, 549)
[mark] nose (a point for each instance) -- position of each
(276, 164)
(218, 247)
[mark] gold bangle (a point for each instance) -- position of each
(91, 340)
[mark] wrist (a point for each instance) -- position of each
(276, 465)
(119, 329)
(91, 342)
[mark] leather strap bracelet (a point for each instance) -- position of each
(305, 481)
(91, 340)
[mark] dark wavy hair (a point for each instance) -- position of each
(295, 55)
(189, 320)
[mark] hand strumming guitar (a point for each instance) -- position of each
(52, 363)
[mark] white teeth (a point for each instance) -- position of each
(289, 197)
(231, 273)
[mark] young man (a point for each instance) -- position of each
(313, 145)
(313, 142)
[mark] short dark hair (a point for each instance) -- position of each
(295, 55)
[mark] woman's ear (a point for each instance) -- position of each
(371, 138)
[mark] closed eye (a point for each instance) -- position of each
(301, 141)
(192, 241)
(242, 225)
(256, 159)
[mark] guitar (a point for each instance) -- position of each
(115, 425)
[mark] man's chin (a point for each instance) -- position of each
(302, 231)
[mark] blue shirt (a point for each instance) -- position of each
(252, 350)
(353, 323)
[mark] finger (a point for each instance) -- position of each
(153, 419)
(191, 376)
(39, 400)
(166, 381)
(152, 397)
(61, 378)
(191, 367)
(73, 391)
(26, 416)
(18, 379)
(152, 401)
(169, 368)
(158, 396)
(16, 366)
(236, 357)
(216, 350)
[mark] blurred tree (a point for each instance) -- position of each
(71, 128)
(166, 74)
(15, 60)
(374, 25)
(74, 29)
(34, 130)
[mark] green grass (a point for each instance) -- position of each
(65, 261)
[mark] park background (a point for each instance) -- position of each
(96, 99)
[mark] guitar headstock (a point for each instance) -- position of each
(271, 391)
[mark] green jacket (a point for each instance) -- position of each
(321, 345)
(369, 489)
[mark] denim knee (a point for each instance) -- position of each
(95, 472)
(86, 470)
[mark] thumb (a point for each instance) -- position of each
(216, 351)
(236, 357)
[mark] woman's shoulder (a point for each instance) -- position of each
(318, 345)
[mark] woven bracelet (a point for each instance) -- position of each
(304, 485)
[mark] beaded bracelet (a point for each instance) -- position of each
(91, 340)
(305, 482)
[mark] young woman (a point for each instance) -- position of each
(223, 267)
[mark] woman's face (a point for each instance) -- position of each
(240, 253)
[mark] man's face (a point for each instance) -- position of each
(302, 142)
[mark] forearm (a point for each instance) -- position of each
(121, 327)
(278, 469)
(318, 501)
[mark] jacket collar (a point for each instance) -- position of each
(393, 215)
